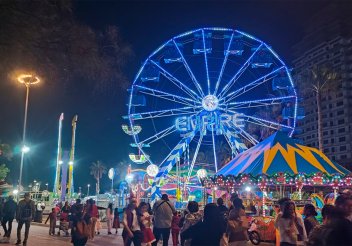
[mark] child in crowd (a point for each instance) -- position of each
(116, 223)
(145, 222)
(52, 216)
(175, 228)
(98, 227)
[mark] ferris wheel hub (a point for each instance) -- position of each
(210, 103)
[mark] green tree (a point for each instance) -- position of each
(5, 151)
(97, 169)
(45, 37)
(319, 80)
(121, 170)
(3, 172)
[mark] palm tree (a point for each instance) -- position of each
(121, 169)
(319, 80)
(223, 152)
(97, 169)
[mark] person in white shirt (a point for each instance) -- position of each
(290, 226)
(131, 229)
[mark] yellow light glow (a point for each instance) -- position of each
(28, 79)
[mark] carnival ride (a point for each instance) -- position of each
(64, 185)
(204, 86)
(280, 167)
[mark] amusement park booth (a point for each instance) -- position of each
(279, 167)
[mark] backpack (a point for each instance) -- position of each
(26, 211)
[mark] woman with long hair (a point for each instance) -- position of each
(209, 231)
(310, 221)
(237, 224)
(290, 226)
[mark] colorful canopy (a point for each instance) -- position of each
(280, 153)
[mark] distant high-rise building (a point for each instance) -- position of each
(328, 40)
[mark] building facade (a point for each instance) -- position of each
(328, 40)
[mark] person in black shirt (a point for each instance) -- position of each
(9, 212)
(207, 232)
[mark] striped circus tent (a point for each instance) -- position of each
(281, 154)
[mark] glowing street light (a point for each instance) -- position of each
(70, 163)
(25, 149)
(47, 186)
(88, 186)
(111, 175)
(15, 192)
(27, 80)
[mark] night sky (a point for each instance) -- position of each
(144, 25)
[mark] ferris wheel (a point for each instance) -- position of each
(206, 91)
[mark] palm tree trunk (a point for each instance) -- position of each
(320, 121)
(98, 186)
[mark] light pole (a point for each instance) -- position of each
(88, 185)
(80, 191)
(47, 186)
(27, 80)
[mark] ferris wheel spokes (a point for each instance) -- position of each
(194, 158)
(263, 122)
(248, 136)
(164, 113)
(206, 60)
(159, 135)
(214, 151)
(258, 103)
(176, 82)
(166, 96)
(189, 71)
(238, 74)
(252, 85)
(223, 65)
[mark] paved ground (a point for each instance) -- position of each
(39, 236)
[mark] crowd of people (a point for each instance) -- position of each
(228, 226)
(215, 225)
(336, 228)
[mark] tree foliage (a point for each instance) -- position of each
(3, 171)
(319, 80)
(5, 151)
(97, 169)
(121, 170)
(45, 37)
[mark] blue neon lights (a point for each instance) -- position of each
(233, 73)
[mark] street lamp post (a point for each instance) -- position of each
(27, 80)
(79, 191)
(47, 186)
(88, 186)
